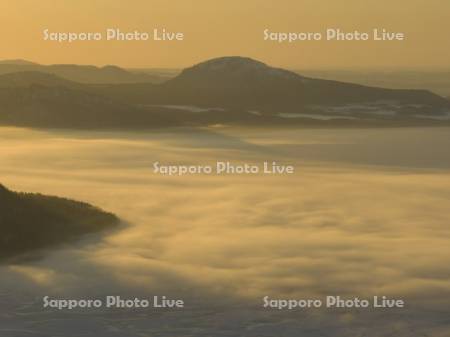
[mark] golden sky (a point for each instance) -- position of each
(232, 27)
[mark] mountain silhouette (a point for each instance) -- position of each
(34, 99)
(226, 90)
(233, 71)
(18, 62)
(25, 79)
(246, 84)
(81, 73)
(249, 84)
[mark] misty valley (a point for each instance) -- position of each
(350, 220)
(229, 182)
(224, 168)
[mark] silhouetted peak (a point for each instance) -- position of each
(235, 63)
(19, 62)
(113, 68)
(236, 68)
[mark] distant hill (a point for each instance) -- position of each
(243, 83)
(82, 73)
(437, 81)
(34, 99)
(30, 222)
(19, 62)
(227, 90)
(246, 83)
(25, 79)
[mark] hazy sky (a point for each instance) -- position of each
(233, 27)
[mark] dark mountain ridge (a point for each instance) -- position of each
(243, 83)
(81, 73)
(34, 99)
(19, 62)
(227, 90)
(254, 84)
(24, 79)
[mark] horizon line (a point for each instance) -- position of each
(148, 67)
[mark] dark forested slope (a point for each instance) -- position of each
(29, 222)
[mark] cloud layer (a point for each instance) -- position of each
(340, 225)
